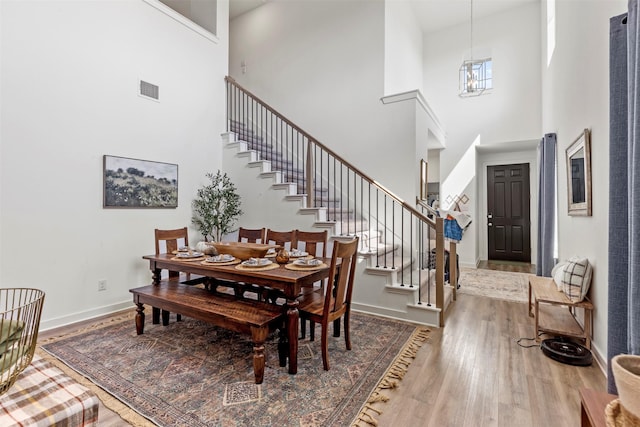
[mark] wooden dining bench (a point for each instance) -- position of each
(255, 318)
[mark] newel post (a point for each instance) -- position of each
(309, 176)
(440, 267)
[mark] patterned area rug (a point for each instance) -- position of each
(494, 284)
(191, 373)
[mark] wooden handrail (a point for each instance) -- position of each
(364, 176)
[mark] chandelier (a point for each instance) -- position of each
(473, 72)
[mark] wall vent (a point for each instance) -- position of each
(149, 90)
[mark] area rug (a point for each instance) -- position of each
(192, 373)
(503, 285)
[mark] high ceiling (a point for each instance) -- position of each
(433, 15)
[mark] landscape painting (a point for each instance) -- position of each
(133, 183)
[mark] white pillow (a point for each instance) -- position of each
(576, 278)
(557, 272)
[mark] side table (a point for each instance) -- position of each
(592, 404)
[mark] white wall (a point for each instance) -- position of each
(402, 49)
(576, 96)
(510, 113)
(70, 72)
(321, 64)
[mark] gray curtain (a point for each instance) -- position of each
(546, 204)
(624, 188)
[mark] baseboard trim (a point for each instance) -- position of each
(82, 316)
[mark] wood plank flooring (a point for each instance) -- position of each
(473, 373)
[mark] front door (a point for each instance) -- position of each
(508, 214)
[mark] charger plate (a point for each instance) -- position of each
(232, 262)
(299, 268)
(200, 258)
(271, 266)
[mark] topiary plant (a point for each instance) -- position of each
(216, 207)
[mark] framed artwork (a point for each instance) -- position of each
(423, 180)
(134, 183)
(579, 175)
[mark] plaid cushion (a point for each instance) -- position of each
(576, 278)
(44, 396)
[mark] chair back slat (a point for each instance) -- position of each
(251, 235)
(338, 298)
(171, 240)
(314, 241)
(280, 238)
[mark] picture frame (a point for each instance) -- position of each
(424, 190)
(139, 184)
(579, 175)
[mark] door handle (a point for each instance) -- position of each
(490, 224)
(490, 216)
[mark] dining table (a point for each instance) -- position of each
(289, 281)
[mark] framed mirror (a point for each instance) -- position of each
(579, 175)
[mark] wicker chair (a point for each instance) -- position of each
(19, 323)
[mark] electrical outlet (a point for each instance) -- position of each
(102, 285)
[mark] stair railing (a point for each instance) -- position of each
(402, 238)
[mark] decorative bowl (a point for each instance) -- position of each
(241, 250)
(626, 372)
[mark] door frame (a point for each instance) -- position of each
(506, 158)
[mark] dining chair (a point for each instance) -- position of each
(284, 239)
(315, 243)
(172, 240)
(248, 235)
(281, 238)
(251, 235)
(335, 302)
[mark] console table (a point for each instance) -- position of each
(553, 311)
(593, 404)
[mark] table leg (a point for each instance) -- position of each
(529, 306)
(155, 311)
(293, 317)
(139, 319)
(535, 320)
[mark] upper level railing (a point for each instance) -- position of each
(396, 234)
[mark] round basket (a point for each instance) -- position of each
(626, 373)
(20, 310)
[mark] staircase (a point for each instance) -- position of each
(287, 180)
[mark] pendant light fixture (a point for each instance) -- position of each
(473, 72)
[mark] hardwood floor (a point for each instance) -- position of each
(513, 266)
(473, 373)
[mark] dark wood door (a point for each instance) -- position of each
(508, 213)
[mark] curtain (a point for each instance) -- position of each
(624, 187)
(546, 204)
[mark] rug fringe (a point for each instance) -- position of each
(389, 381)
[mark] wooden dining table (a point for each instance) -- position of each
(290, 282)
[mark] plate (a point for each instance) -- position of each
(188, 255)
(220, 258)
(297, 254)
(257, 262)
(184, 249)
(307, 262)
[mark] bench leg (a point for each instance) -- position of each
(165, 317)
(140, 319)
(259, 336)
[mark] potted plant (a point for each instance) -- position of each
(216, 207)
